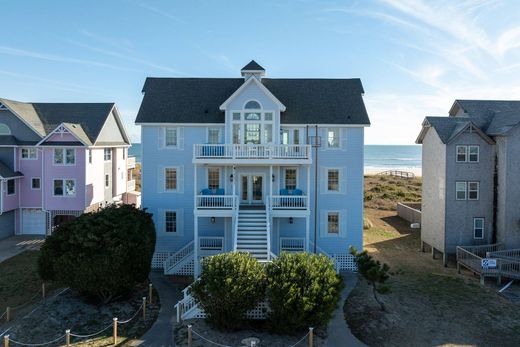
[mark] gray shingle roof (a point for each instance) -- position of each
(447, 127)
(6, 172)
(308, 101)
(253, 66)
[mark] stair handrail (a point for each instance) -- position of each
(268, 227)
(178, 256)
(235, 225)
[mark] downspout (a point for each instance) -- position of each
(2, 196)
(495, 201)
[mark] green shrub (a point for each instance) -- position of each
(230, 284)
(302, 290)
(102, 254)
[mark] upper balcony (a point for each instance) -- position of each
(252, 154)
(130, 163)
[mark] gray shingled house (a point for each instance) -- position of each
(471, 176)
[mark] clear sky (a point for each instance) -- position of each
(413, 57)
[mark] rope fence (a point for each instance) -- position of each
(309, 336)
(68, 334)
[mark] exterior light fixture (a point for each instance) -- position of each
(231, 178)
(213, 220)
(291, 220)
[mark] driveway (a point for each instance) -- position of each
(13, 245)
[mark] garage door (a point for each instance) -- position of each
(33, 221)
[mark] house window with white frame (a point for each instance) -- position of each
(473, 154)
(29, 153)
(35, 183)
(64, 187)
(107, 181)
(11, 187)
(462, 154)
(333, 180)
(107, 154)
(64, 156)
(473, 190)
(468, 154)
(333, 223)
(252, 125)
(290, 179)
(170, 178)
(170, 137)
(333, 138)
(90, 156)
(478, 228)
(460, 190)
(213, 178)
(213, 135)
(170, 221)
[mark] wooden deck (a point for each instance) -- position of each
(397, 173)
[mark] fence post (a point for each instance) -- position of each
(7, 314)
(189, 336)
(67, 337)
(43, 290)
(6, 341)
(115, 331)
(144, 307)
(311, 329)
(150, 293)
(253, 343)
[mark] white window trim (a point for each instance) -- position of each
(468, 190)
(39, 178)
(64, 195)
(342, 224)
(179, 222)
(177, 171)
(242, 122)
(457, 154)
(340, 184)
(220, 183)
(483, 227)
(297, 174)
(469, 154)
(177, 132)
(219, 134)
(255, 100)
(340, 147)
(29, 149)
(64, 156)
(465, 191)
(89, 156)
(111, 154)
(7, 187)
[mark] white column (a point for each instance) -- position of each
(270, 181)
(308, 193)
(307, 234)
(195, 226)
(233, 172)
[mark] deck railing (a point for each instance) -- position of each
(250, 151)
(216, 201)
(211, 243)
(130, 185)
(292, 244)
(130, 163)
(482, 250)
(512, 254)
(397, 173)
(282, 202)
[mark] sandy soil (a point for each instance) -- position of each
(429, 305)
(374, 171)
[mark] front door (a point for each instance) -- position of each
(251, 189)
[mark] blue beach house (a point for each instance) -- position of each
(253, 164)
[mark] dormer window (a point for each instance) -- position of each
(252, 105)
(4, 129)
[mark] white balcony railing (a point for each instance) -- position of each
(250, 151)
(216, 201)
(130, 163)
(211, 243)
(130, 185)
(292, 244)
(284, 202)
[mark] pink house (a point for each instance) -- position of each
(59, 160)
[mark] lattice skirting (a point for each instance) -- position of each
(159, 259)
(258, 313)
(345, 261)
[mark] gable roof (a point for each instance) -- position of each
(494, 117)
(84, 120)
(307, 101)
(6, 172)
(252, 66)
(448, 128)
(262, 88)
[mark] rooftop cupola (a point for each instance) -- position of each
(253, 69)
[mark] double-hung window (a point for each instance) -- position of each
(107, 154)
(213, 135)
(478, 228)
(333, 180)
(170, 221)
(333, 223)
(462, 154)
(468, 154)
(35, 183)
(11, 187)
(64, 156)
(170, 178)
(333, 138)
(473, 190)
(473, 154)
(171, 137)
(290, 179)
(29, 153)
(213, 178)
(64, 187)
(460, 190)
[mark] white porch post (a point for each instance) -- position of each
(233, 172)
(270, 181)
(195, 226)
(308, 193)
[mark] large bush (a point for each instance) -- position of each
(102, 254)
(302, 290)
(230, 284)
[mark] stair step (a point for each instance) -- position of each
(251, 236)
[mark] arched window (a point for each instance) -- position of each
(252, 105)
(4, 129)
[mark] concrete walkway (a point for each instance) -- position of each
(338, 333)
(13, 245)
(161, 332)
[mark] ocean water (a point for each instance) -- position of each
(377, 157)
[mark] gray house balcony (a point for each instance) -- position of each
(251, 154)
